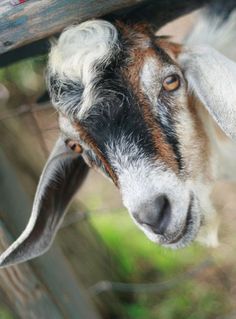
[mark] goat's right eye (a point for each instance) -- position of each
(171, 83)
(75, 146)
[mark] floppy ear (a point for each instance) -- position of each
(62, 176)
(212, 77)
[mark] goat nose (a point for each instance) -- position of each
(155, 214)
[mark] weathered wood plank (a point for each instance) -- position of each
(92, 267)
(37, 19)
(31, 298)
(24, 28)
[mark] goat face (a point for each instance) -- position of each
(125, 108)
(122, 96)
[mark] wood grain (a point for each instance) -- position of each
(25, 28)
(37, 19)
(19, 283)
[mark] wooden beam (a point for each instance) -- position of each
(20, 284)
(24, 29)
(34, 19)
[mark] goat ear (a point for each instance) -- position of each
(62, 176)
(212, 77)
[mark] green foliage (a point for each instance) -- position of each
(4, 313)
(25, 76)
(121, 235)
(141, 261)
(137, 311)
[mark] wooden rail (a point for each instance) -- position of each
(37, 19)
(24, 28)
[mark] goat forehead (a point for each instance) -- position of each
(80, 54)
(98, 84)
(83, 52)
(123, 127)
(119, 118)
(79, 47)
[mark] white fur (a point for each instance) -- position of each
(78, 51)
(142, 181)
(213, 79)
(212, 32)
(210, 74)
(68, 129)
(218, 73)
(149, 79)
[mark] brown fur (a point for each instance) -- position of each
(200, 138)
(171, 48)
(90, 142)
(138, 53)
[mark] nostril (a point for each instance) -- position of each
(156, 214)
(163, 211)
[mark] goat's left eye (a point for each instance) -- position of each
(75, 146)
(171, 83)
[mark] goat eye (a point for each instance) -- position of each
(171, 82)
(75, 146)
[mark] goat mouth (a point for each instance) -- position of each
(189, 231)
(186, 226)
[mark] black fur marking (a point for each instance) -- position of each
(165, 117)
(65, 94)
(117, 116)
(116, 113)
(94, 161)
(166, 123)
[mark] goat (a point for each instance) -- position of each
(156, 118)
